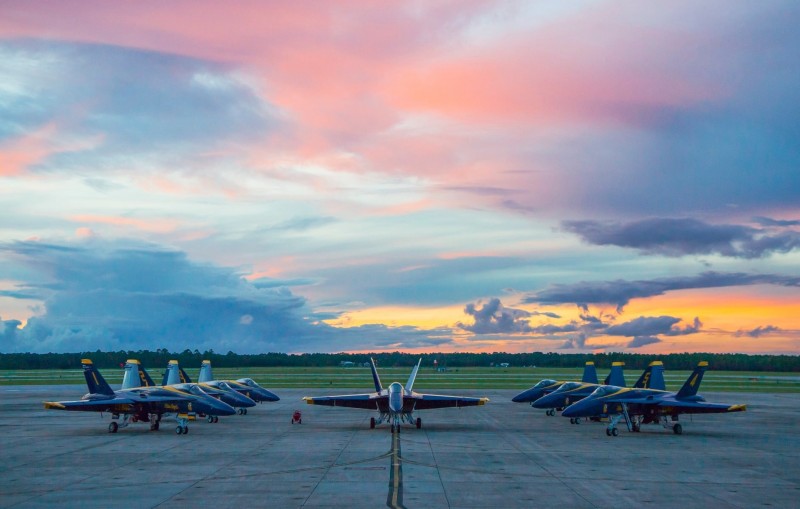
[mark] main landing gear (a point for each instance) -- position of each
(183, 426)
(241, 411)
(371, 423)
(574, 420)
(551, 412)
(113, 427)
(212, 418)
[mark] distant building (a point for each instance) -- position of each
(347, 364)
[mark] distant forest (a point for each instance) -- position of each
(193, 358)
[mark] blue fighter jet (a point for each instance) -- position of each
(140, 404)
(396, 403)
(548, 385)
(570, 392)
(648, 406)
(245, 386)
(176, 377)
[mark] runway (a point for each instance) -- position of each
(503, 454)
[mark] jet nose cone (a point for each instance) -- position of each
(268, 396)
(570, 411)
(525, 396)
(222, 408)
(543, 402)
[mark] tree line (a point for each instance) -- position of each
(193, 358)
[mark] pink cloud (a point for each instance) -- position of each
(160, 225)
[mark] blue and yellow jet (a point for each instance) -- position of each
(648, 406)
(546, 386)
(140, 404)
(570, 392)
(176, 377)
(396, 403)
(245, 386)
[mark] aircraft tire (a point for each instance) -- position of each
(186, 430)
(113, 427)
(244, 411)
(577, 420)
(677, 429)
(608, 432)
(371, 423)
(419, 422)
(615, 432)
(216, 419)
(210, 419)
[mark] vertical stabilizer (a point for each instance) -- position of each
(145, 377)
(413, 376)
(132, 378)
(652, 377)
(205, 373)
(173, 374)
(94, 380)
(375, 377)
(693, 382)
(616, 376)
(589, 373)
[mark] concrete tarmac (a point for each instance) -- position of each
(503, 454)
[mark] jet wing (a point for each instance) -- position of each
(92, 405)
(371, 401)
(427, 401)
(682, 407)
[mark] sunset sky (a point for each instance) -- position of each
(448, 175)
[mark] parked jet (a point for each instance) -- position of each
(145, 404)
(648, 406)
(570, 392)
(176, 377)
(573, 391)
(547, 386)
(396, 403)
(246, 386)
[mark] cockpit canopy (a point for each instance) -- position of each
(544, 383)
(569, 386)
(197, 391)
(248, 381)
(604, 390)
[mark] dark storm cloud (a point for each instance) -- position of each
(494, 318)
(679, 237)
(620, 292)
(780, 223)
(640, 341)
(652, 326)
(758, 331)
(100, 295)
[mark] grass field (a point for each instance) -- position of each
(460, 378)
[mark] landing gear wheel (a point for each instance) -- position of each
(210, 419)
(185, 430)
(577, 420)
(216, 419)
(179, 430)
(636, 427)
(608, 432)
(113, 427)
(615, 432)
(239, 411)
(244, 411)
(392, 429)
(371, 423)
(419, 422)
(677, 429)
